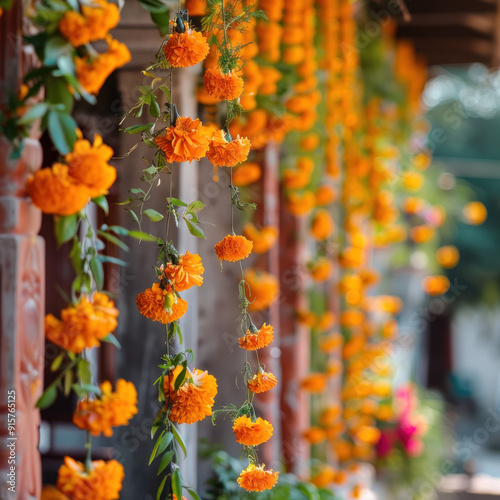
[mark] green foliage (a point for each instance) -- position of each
(159, 13)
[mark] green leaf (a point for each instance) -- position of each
(111, 339)
(179, 440)
(177, 483)
(193, 493)
(165, 460)
(195, 206)
(97, 272)
(122, 231)
(68, 382)
(153, 215)
(75, 256)
(155, 447)
(83, 390)
(62, 130)
(139, 235)
(176, 202)
(84, 372)
(56, 47)
(58, 93)
(57, 362)
(33, 113)
(160, 417)
(102, 202)
(47, 398)
(65, 228)
(194, 229)
(126, 202)
(112, 260)
(154, 108)
(182, 375)
(134, 216)
(165, 441)
(136, 129)
(160, 488)
(113, 239)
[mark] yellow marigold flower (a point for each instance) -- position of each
(325, 195)
(321, 269)
(88, 165)
(262, 240)
(194, 399)
(413, 181)
(262, 289)
(299, 204)
(448, 256)
(161, 305)
(250, 433)
(257, 339)
(314, 382)
(381, 388)
(475, 213)
(322, 226)
(102, 482)
(110, 409)
(256, 478)
(435, 285)
(222, 86)
(314, 435)
(187, 140)
(246, 174)
(186, 49)
(367, 434)
(262, 382)
(92, 24)
(224, 153)
(233, 248)
(84, 325)
(351, 318)
(93, 72)
(54, 191)
(186, 273)
(351, 257)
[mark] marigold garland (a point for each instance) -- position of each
(224, 153)
(102, 482)
(263, 239)
(222, 86)
(262, 289)
(249, 433)
(186, 273)
(187, 140)
(256, 478)
(262, 381)
(253, 340)
(233, 248)
(161, 305)
(246, 174)
(186, 49)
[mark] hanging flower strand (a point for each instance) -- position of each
(223, 84)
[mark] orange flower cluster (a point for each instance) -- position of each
(66, 189)
(262, 289)
(233, 248)
(246, 174)
(92, 24)
(262, 381)
(82, 326)
(264, 239)
(161, 305)
(193, 400)
(102, 482)
(222, 87)
(249, 433)
(187, 140)
(186, 49)
(186, 273)
(93, 72)
(110, 409)
(256, 478)
(224, 153)
(257, 339)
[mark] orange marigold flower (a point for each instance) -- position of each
(321, 269)
(160, 305)
(186, 273)
(256, 478)
(314, 435)
(262, 289)
(322, 226)
(262, 382)
(412, 181)
(233, 248)
(435, 285)
(257, 339)
(309, 142)
(224, 153)
(187, 140)
(196, 7)
(54, 191)
(367, 434)
(102, 482)
(448, 256)
(84, 325)
(92, 24)
(422, 233)
(222, 86)
(299, 204)
(475, 213)
(194, 399)
(325, 195)
(331, 342)
(88, 165)
(246, 174)
(314, 382)
(186, 49)
(250, 433)
(110, 409)
(263, 240)
(93, 72)
(330, 415)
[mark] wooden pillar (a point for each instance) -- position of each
(22, 291)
